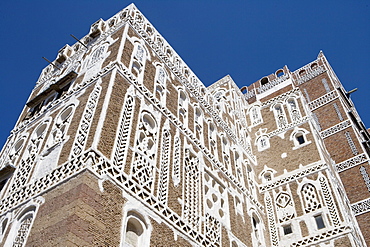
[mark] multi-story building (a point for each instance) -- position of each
(120, 144)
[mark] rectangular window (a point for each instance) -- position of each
(287, 229)
(319, 221)
(300, 139)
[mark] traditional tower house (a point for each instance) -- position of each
(120, 144)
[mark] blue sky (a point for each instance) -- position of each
(246, 39)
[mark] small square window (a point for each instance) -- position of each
(300, 139)
(287, 229)
(319, 221)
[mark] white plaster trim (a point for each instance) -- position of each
(103, 113)
(361, 207)
(275, 88)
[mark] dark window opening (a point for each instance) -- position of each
(287, 229)
(300, 139)
(5, 175)
(264, 81)
(54, 92)
(2, 183)
(254, 222)
(314, 66)
(302, 72)
(319, 221)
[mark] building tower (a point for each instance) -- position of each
(120, 144)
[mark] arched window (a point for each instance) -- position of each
(183, 106)
(299, 138)
(280, 117)
(23, 231)
(15, 151)
(5, 175)
(219, 100)
(21, 228)
(257, 235)
(138, 59)
(264, 81)
(238, 165)
(262, 143)
(136, 232)
(255, 115)
(294, 112)
(267, 176)
(198, 123)
(160, 84)
(96, 56)
(212, 133)
(225, 152)
(310, 198)
(60, 127)
(251, 180)
(143, 167)
(32, 151)
(279, 73)
(57, 137)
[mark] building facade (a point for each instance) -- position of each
(120, 144)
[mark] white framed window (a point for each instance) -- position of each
(294, 112)
(136, 231)
(287, 229)
(257, 235)
(183, 106)
(320, 224)
(255, 115)
(212, 134)
(310, 197)
(299, 138)
(138, 59)
(198, 124)
(267, 174)
(160, 84)
(16, 150)
(20, 226)
(280, 116)
(262, 143)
